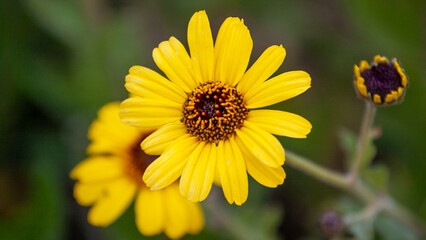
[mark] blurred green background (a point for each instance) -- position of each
(60, 61)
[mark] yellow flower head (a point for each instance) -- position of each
(208, 128)
(112, 176)
(383, 83)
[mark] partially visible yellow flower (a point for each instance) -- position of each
(208, 128)
(383, 83)
(111, 178)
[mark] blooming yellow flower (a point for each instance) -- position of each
(112, 176)
(208, 129)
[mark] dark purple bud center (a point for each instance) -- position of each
(381, 79)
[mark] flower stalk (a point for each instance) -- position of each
(363, 140)
(358, 188)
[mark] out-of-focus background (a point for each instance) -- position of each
(60, 61)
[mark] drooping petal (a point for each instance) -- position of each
(197, 177)
(280, 123)
(232, 171)
(196, 217)
(150, 212)
(262, 173)
(172, 58)
(200, 43)
(261, 144)
(168, 167)
(266, 65)
(156, 142)
(149, 113)
(98, 169)
(178, 213)
(117, 197)
(108, 134)
(278, 89)
(232, 51)
(144, 82)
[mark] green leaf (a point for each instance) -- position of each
(390, 229)
(348, 207)
(377, 177)
(349, 141)
(363, 230)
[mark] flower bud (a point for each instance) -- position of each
(331, 224)
(383, 82)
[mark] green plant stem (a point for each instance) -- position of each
(369, 212)
(363, 140)
(396, 210)
(358, 189)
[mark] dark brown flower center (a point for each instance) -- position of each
(381, 79)
(137, 161)
(213, 111)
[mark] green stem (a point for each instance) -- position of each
(310, 168)
(369, 212)
(394, 209)
(358, 189)
(363, 140)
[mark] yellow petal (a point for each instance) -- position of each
(362, 89)
(216, 179)
(357, 71)
(150, 212)
(144, 82)
(200, 43)
(232, 51)
(261, 144)
(196, 217)
(98, 169)
(108, 134)
(172, 58)
(278, 89)
(380, 59)
(265, 175)
(280, 123)
(197, 177)
(377, 99)
(268, 63)
(389, 98)
(364, 66)
(86, 193)
(117, 197)
(149, 113)
(156, 142)
(168, 167)
(177, 214)
(232, 171)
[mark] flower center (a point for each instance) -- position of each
(213, 111)
(137, 161)
(381, 79)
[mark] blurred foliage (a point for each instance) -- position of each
(60, 60)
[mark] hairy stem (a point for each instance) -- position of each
(363, 140)
(358, 189)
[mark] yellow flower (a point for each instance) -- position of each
(382, 83)
(208, 129)
(112, 176)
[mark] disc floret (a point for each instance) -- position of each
(213, 111)
(136, 161)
